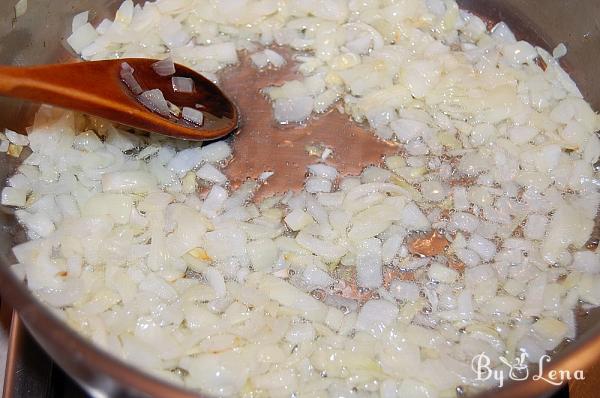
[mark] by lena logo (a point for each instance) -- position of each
(517, 370)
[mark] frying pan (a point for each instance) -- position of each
(38, 37)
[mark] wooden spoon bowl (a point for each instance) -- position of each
(96, 88)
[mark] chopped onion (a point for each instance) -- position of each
(265, 175)
(559, 51)
(79, 20)
(585, 261)
(15, 138)
(318, 184)
(165, 67)
(182, 84)
(290, 296)
(215, 279)
(155, 101)
(210, 173)
(376, 315)
(503, 32)
(464, 221)
(298, 219)
(440, 273)
(274, 58)
(314, 276)
(13, 197)
(485, 248)
(403, 290)
(369, 264)
(216, 152)
(82, 37)
(293, 110)
(128, 78)
(266, 57)
(214, 201)
(263, 254)
(128, 182)
(324, 171)
(21, 8)
(193, 115)
(186, 160)
(269, 296)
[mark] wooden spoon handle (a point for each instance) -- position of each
(96, 88)
(72, 86)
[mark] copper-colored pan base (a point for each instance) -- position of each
(262, 145)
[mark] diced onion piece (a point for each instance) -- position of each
(391, 247)
(225, 242)
(262, 253)
(551, 329)
(193, 115)
(440, 273)
(165, 67)
(318, 184)
(413, 217)
(502, 31)
(484, 247)
(265, 175)
(125, 13)
(265, 57)
(559, 51)
(328, 250)
(369, 264)
(433, 191)
(376, 315)
(38, 224)
(216, 281)
(116, 206)
(214, 201)
(535, 227)
(14, 197)
(586, 261)
(218, 374)
(411, 389)
(292, 297)
(300, 332)
(324, 171)
(216, 152)
(404, 290)
(182, 84)
(186, 160)
(463, 221)
(326, 153)
(128, 78)
(79, 20)
(292, 110)
(274, 58)
(126, 67)
(210, 173)
(82, 37)
(315, 276)
(16, 138)
(155, 101)
(20, 8)
(519, 53)
(128, 182)
(298, 219)
(521, 134)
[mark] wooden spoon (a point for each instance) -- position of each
(96, 88)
